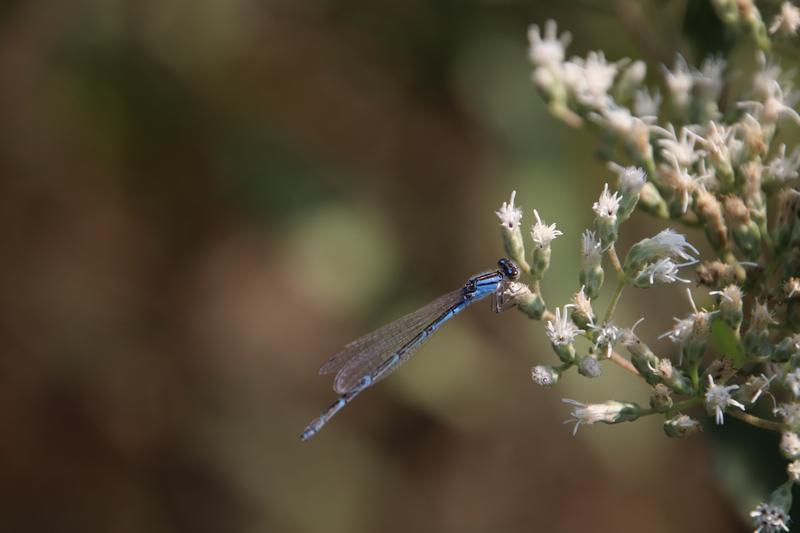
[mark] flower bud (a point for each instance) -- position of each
(730, 306)
(642, 357)
(792, 382)
(631, 181)
(681, 426)
(545, 375)
(582, 313)
(591, 275)
(710, 212)
(629, 80)
(745, 231)
(788, 349)
(661, 399)
(674, 378)
(716, 274)
(755, 144)
(790, 445)
(609, 412)
(590, 367)
(751, 19)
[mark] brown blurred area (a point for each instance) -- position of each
(202, 200)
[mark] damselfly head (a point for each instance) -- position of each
(509, 269)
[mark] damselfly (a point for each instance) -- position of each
(369, 359)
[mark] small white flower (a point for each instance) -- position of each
(792, 382)
(662, 271)
(510, 216)
(679, 180)
(619, 120)
(790, 445)
(775, 106)
(635, 73)
(590, 78)
(787, 21)
(607, 336)
(562, 330)
(695, 326)
(730, 298)
(548, 51)
(607, 206)
(793, 471)
(767, 75)
(543, 234)
(667, 243)
(591, 250)
(782, 168)
(718, 398)
(630, 180)
(607, 412)
(717, 142)
(680, 332)
(645, 103)
(768, 518)
(679, 81)
(710, 77)
(678, 146)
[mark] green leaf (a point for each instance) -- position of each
(726, 341)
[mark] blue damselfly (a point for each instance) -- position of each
(369, 359)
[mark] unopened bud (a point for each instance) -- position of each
(590, 367)
(710, 212)
(661, 398)
(545, 375)
(681, 426)
(582, 313)
(790, 445)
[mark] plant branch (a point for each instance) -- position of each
(756, 421)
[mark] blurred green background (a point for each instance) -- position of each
(203, 200)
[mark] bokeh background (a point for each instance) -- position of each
(202, 200)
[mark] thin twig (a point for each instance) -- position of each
(624, 363)
(756, 421)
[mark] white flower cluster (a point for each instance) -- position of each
(707, 153)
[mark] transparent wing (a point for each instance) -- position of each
(350, 375)
(373, 347)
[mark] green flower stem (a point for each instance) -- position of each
(694, 376)
(613, 303)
